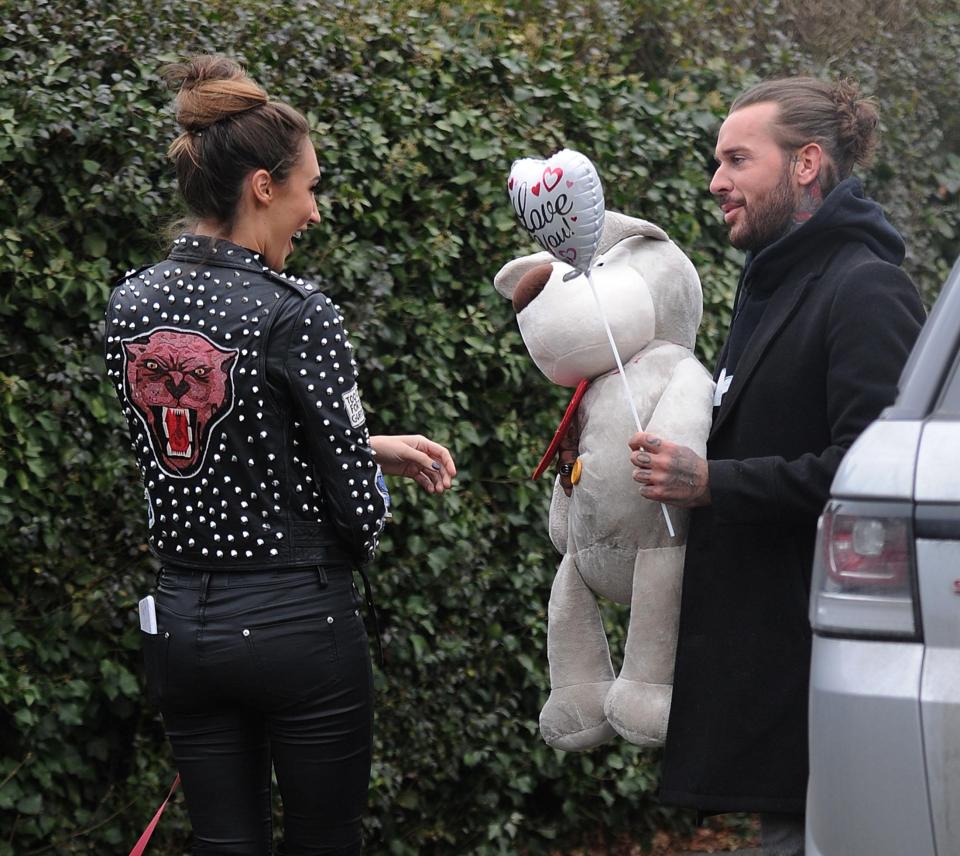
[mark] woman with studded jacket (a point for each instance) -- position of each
(264, 489)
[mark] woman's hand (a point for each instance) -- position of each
(429, 464)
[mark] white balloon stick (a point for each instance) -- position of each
(626, 386)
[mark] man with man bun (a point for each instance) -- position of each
(823, 321)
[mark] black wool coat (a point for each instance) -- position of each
(823, 361)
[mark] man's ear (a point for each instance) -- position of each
(261, 184)
(808, 162)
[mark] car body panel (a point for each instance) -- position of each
(938, 462)
(868, 792)
(880, 463)
(931, 359)
(938, 564)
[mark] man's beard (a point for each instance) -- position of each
(767, 218)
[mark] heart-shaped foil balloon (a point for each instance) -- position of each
(559, 201)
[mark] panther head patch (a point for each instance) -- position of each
(181, 386)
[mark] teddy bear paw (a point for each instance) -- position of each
(639, 711)
(573, 718)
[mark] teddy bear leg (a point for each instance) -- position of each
(581, 673)
(638, 704)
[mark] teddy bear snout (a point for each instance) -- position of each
(530, 285)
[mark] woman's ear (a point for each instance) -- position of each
(261, 184)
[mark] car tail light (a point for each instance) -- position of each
(863, 577)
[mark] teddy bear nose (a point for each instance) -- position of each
(530, 285)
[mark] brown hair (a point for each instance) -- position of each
(833, 115)
(230, 127)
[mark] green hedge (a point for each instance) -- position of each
(419, 109)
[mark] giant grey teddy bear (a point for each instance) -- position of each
(615, 542)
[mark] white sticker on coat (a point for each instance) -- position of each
(723, 384)
(351, 401)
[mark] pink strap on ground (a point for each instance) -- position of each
(144, 839)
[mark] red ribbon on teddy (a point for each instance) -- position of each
(554, 446)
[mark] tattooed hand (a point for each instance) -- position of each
(668, 472)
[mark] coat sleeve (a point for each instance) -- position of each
(871, 326)
(321, 379)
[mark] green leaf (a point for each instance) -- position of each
(419, 645)
(32, 804)
(95, 245)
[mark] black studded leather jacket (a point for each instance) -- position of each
(239, 388)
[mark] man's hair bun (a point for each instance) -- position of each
(835, 115)
(212, 88)
(857, 121)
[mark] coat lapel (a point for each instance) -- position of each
(783, 303)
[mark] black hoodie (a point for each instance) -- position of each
(846, 215)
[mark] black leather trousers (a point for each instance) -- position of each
(261, 669)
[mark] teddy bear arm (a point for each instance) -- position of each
(559, 517)
(684, 411)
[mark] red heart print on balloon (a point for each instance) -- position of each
(559, 201)
(556, 174)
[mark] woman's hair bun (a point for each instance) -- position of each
(211, 88)
(230, 129)
(857, 121)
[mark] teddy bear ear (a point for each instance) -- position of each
(618, 227)
(510, 274)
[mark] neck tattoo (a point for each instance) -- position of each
(811, 198)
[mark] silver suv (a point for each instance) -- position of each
(885, 610)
